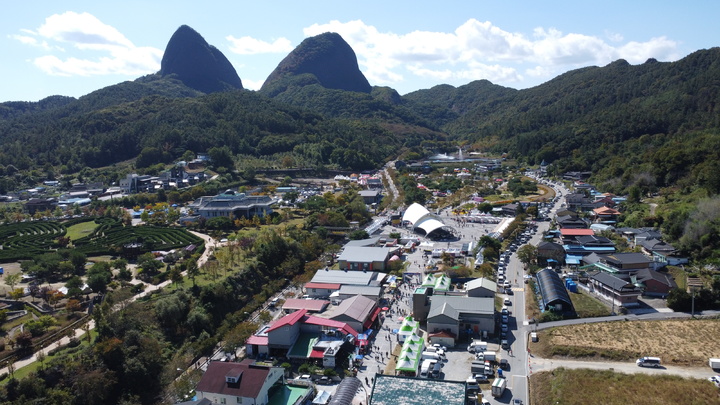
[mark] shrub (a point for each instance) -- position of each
(74, 342)
(304, 368)
(137, 288)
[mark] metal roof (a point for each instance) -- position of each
(364, 254)
(345, 391)
(344, 277)
(552, 288)
(358, 308)
(465, 305)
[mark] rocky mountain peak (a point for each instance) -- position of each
(326, 56)
(198, 64)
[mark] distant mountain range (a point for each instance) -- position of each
(651, 125)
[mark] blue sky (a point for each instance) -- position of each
(75, 47)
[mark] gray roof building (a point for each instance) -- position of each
(465, 305)
(345, 277)
(233, 205)
(364, 258)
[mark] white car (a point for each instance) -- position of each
(440, 347)
(507, 301)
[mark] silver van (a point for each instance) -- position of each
(648, 362)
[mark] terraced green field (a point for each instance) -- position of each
(22, 241)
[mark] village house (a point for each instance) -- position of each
(238, 383)
(618, 291)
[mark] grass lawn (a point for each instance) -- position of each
(80, 230)
(678, 342)
(587, 306)
(532, 310)
(679, 275)
(583, 386)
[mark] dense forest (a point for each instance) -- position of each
(652, 125)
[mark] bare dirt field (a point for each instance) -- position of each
(686, 342)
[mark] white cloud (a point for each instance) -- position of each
(249, 46)
(95, 48)
(659, 48)
(614, 36)
(252, 84)
(481, 50)
(83, 31)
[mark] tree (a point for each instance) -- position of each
(74, 286)
(679, 300)
(17, 293)
(148, 264)
(527, 254)
(192, 269)
(99, 276)
(221, 157)
(78, 260)
(358, 234)
(73, 305)
(176, 276)
(12, 280)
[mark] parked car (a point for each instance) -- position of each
(480, 378)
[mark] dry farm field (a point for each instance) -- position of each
(681, 342)
(561, 386)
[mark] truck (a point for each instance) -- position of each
(487, 356)
(426, 368)
(477, 346)
(498, 387)
(477, 367)
(715, 364)
(431, 356)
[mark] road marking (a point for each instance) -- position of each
(518, 289)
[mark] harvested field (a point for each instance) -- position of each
(682, 342)
(562, 386)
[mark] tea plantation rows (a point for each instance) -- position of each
(24, 240)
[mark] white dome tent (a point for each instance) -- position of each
(422, 219)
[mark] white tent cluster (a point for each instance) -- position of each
(421, 218)
(411, 351)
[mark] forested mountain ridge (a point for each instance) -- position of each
(651, 125)
(618, 121)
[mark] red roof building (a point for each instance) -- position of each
(576, 232)
(295, 304)
(281, 335)
(238, 383)
(288, 320)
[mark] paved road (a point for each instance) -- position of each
(539, 364)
